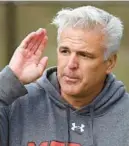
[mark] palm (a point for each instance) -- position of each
(26, 61)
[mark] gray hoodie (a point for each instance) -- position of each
(43, 118)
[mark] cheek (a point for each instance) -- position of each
(62, 61)
(89, 72)
(92, 66)
(86, 69)
(89, 76)
(60, 66)
(94, 73)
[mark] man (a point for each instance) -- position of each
(79, 103)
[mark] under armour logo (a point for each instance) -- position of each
(78, 128)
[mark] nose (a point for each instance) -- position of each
(73, 62)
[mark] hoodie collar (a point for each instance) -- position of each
(111, 93)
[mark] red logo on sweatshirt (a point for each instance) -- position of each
(53, 143)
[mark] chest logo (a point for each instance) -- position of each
(76, 128)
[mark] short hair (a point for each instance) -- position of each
(89, 17)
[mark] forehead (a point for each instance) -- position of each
(91, 40)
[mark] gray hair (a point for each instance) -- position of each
(89, 17)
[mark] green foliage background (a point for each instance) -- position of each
(19, 18)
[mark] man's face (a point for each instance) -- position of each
(81, 68)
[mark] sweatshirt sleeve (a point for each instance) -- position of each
(10, 87)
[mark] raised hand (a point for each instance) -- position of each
(27, 62)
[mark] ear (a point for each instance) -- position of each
(111, 62)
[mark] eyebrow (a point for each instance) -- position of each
(63, 47)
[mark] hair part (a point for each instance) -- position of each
(89, 17)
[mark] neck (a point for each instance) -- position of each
(81, 101)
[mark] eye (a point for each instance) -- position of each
(85, 55)
(64, 50)
(82, 54)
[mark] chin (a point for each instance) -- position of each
(70, 91)
(70, 88)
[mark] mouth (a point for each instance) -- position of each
(70, 79)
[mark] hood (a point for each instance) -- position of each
(111, 93)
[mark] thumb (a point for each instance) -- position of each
(42, 65)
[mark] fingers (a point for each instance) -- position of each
(32, 42)
(35, 42)
(42, 65)
(41, 47)
(38, 42)
(27, 40)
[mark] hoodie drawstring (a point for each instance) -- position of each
(93, 141)
(68, 126)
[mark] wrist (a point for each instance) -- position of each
(17, 75)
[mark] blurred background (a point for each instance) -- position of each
(17, 19)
